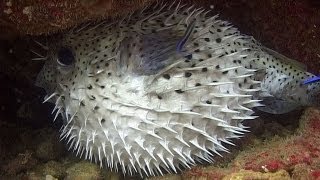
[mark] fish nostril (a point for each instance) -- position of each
(65, 56)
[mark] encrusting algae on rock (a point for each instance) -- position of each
(296, 155)
(165, 87)
(34, 17)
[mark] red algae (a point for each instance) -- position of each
(285, 154)
(316, 174)
(299, 150)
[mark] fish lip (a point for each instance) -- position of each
(317, 99)
(314, 99)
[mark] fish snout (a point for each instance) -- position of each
(315, 97)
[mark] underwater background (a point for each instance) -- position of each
(278, 146)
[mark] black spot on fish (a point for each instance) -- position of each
(82, 103)
(166, 76)
(179, 91)
(92, 97)
(188, 74)
(189, 56)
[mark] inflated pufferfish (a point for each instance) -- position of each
(165, 88)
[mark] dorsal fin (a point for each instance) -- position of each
(285, 59)
(273, 105)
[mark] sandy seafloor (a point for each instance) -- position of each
(278, 146)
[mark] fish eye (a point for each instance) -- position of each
(65, 56)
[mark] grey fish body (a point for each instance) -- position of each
(131, 100)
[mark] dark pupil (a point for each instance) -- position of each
(65, 56)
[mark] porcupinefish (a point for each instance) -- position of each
(165, 88)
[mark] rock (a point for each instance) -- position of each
(49, 147)
(248, 174)
(52, 168)
(49, 177)
(301, 172)
(89, 171)
(43, 17)
(166, 177)
(24, 161)
(83, 170)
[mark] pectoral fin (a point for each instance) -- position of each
(277, 106)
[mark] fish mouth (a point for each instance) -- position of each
(316, 99)
(313, 99)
